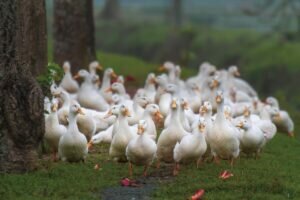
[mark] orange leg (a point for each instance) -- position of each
(216, 160)
(176, 169)
(231, 161)
(54, 157)
(158, 164)
(291, 134)
(145, 170)
(130, 169)
(199, 162)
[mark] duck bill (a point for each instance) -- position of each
(108, 114)
(113, 75)
(237, 73)
(240, 125)
(127, 113)
(90, 144)
(161, 68)
(185, 106)
(99, 67)
(202, 128)
(79, 111)
(54, 108)
(158, 115)
(174, 105)
(153, 80)
(218, 99)
(203, 110)
(109, 90)
(140, 130)
(76, 76)
(246, 113)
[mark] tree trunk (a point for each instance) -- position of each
(176, 12)
(74, 33)
(22, 33)
(111, 10)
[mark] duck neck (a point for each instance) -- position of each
(175, 116)
(66, 99)
(73, 123)
(220, 112)
(106, 81)
(122, 120)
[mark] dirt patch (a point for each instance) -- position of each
(147, 186)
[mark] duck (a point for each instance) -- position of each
(88, 96)
(191, 147)
(119, 88)
(72, 145)
(152, 116)
(265, 123)
(282, 119)
(224, 138)
(149, 87)
(170, 135)
(94, 66)
(53, 130)
(86, 124)
(63, 111)
(141, 150)
(166, 98)
(67, 82)
(252, 140)
(240, 84)
(104, 136)
(106, 82)
(170, 68)
(121, 136)
(139, 103)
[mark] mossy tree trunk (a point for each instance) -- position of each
(22, 34)
(74, 39)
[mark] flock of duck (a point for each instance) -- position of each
(214, 115)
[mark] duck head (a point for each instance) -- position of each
(76, 109)
(219, 97)
(244, 124)
(124, 111)
(233, 70)
(67, 67)
(95, 66)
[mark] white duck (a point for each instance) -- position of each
(102, 137)
(106, 82)
(152, 115)
(170, 135)
(252, 140)
(191, 147)
(282, 118)
(72, 145)
(94, 66)
(68, 83)
(149, 87)
(121, 137)
(224, 138)
(54, 130)
(88, 96)
(141, 149)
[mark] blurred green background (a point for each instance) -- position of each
(262, 37)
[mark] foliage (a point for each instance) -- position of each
(54, 74)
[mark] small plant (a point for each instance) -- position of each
(54, 73)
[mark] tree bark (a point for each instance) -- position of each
(111, 10)
(74, 39)
(176, 12)
(22, 33)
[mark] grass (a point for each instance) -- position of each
(274, 176)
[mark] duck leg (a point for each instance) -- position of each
(130, 169)
(176, 169)
(158, 164)
(54, 157)
(199, 162)
(145, 170)
(232, 161)
(291, 134)
(216, 160)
